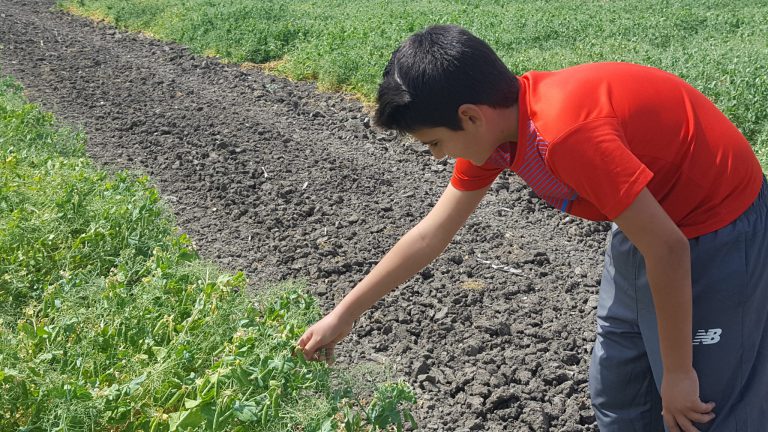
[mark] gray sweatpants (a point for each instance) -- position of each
(729, 270)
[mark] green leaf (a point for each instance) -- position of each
(191, 403)
(246, 411)
(135, 384)
(185, 419)
(27, 330)
(159, 352)
(328, 426)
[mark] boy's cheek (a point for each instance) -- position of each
(437, 154)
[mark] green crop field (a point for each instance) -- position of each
(720, 46)
(110, 321)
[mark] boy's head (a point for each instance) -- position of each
(436, 71)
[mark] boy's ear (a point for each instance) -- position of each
(470, 114)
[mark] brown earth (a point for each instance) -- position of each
(281, 181)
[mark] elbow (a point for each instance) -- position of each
(669, 249)
(432, 240)
(419, 237)
(678, 245)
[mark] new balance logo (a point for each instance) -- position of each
(707, 337)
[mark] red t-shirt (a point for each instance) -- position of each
(591, 137)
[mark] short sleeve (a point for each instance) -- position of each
(595, 160)
(469, 177)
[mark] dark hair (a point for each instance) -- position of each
(434, 72)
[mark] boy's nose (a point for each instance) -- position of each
(437, 154)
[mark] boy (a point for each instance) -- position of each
(688, 251)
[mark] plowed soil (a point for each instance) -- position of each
(281, 181)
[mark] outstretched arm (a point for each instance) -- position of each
(668, 265)
(415, 250)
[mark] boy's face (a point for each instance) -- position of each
(444, 142)
(480, 137)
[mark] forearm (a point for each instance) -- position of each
(667, 256)
(414, 251)
(419, 247)
(669, 275)
(668, 266)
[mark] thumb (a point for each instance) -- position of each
(304, 339)
(311, 347)
(704, 408)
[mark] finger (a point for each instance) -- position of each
(670, 422)
(319, 355)
(310, 349)
(685, 424)
(704, 408)
(701, 418)
(306, 337)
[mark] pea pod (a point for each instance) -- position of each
(264, 412)
(158, 326)
(179, 394)
(274, 403)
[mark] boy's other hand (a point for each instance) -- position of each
(319, 341)
(681, 404)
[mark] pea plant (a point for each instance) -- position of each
(109, 320)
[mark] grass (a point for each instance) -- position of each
(110, 321)
(719, 46)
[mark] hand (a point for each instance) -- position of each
(319, 341)
(681, 403)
